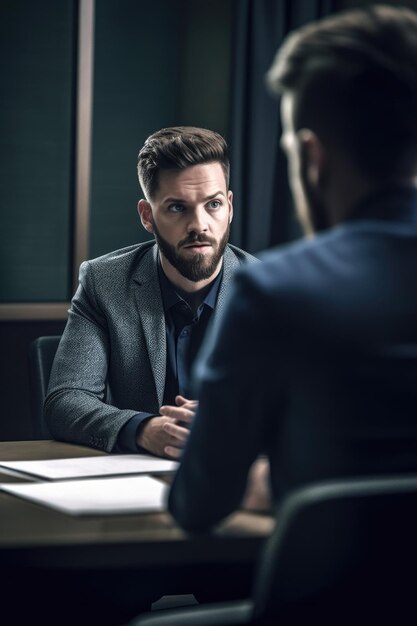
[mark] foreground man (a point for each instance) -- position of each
(314, 361)
(120, 379)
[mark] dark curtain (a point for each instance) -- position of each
(263, 206)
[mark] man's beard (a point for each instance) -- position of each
(200, 266)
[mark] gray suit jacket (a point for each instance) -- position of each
(111, 360)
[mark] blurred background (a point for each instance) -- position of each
(83, 84)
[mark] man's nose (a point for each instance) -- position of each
(198, 221)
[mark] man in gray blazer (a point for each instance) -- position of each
(120, 379)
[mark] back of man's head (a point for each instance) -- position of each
(354, 80)
(179, 147)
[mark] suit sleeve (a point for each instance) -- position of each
(228, 431)
(76, 407)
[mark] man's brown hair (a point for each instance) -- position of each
(354, 80)
(179, 147)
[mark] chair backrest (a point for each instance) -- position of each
(341, 550)
(41, 356)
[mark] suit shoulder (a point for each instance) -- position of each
(300, 263)
(322, 245)
(113, 272)
(123, 257)
(121, 261)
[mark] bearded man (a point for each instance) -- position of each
(120, 379)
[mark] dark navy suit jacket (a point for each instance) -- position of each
(314, 363)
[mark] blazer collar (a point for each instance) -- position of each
(151, 314)
(230, 264)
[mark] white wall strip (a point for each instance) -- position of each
(34, 311)
(83, 133)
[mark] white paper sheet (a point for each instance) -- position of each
(87, 467)
(108, 496)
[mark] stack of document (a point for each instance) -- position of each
(110, 484)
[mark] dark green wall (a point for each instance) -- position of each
(36, 122)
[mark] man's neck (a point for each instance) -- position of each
(194, 299)
(352, 188)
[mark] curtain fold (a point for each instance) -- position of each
(264, 215)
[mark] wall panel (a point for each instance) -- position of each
(36, 113)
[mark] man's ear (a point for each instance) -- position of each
(313, 157)
(230, 203)
(145, 214)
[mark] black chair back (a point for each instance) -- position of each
(341, 549)
(41, 356)
(342, 552)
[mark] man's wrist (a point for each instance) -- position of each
(127, 440)
(140, 434)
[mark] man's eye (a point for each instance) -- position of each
(176, 208)
(215, 204)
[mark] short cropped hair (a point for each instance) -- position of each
(177, 148)
(354, 80)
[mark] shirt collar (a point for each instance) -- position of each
(170, 297)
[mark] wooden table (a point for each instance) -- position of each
(36, 539)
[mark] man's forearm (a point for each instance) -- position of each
(78, 417)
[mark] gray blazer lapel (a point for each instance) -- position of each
(151, 313)
(230, 265)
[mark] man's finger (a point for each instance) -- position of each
(181, 401)
(176, 431)
(180, 414)
(172, 452)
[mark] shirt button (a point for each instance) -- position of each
(185, 333)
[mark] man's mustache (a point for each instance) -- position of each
(194, 238)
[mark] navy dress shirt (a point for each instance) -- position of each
(184, 335)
